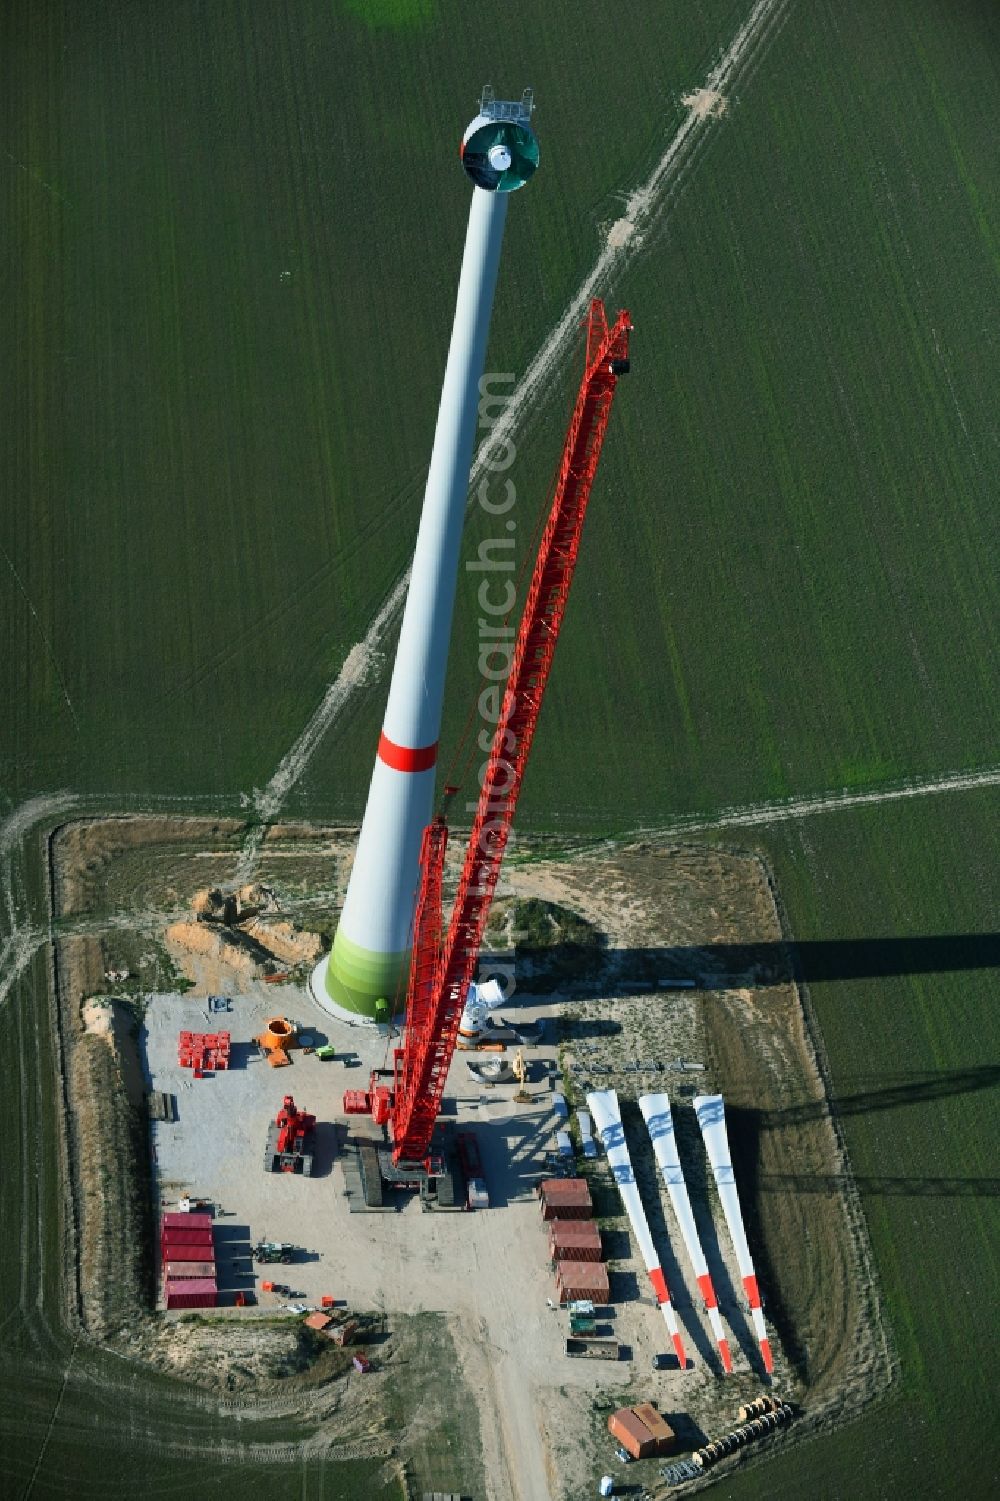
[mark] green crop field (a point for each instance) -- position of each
(232, 241)
(233, 244)
(909, 1021)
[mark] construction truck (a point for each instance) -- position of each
(290, 1141)
(472, 1170)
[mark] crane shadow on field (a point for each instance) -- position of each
(881, 1186)
(912, 1088)
(716, 966)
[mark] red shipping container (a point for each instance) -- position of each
(565, 1199)
(198, 1293)
(575, 1240)
(187, 1250)
(188, 1253)
(186, 1238)
(631, 1434)
(582, 1279)
(183, 1271)
(186, 1221)
(175, 1237)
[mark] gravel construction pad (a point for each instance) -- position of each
(214, 1150)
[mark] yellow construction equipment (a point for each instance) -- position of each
(522, 1097)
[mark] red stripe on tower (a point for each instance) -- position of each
(401, 758)
(750, 1283)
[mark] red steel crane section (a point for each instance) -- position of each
(440, 975)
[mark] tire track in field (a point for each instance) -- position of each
(758, 815)
(52, 1422)
(15, 956)
(23, 939)
(362, 661)
(22, 819)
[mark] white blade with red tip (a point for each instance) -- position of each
(660, 1125)
(711, 1112)
(603, 1106)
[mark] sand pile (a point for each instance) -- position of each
(219, 945)
(284, 941)
(232, 941)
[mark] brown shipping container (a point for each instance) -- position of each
(666, 1438)
(631, 1434)
(566, 1190)
(566, 1211)
(198, 1293)
(204, 1252)
(566, 1199)
(582, 1279)
(561, 1252)
(186, 1221)
(183, 1271)
(574, 1240)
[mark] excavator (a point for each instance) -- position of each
(521, 1097)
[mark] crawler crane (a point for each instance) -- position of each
(408, 1098)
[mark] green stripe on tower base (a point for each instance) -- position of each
(357, 978)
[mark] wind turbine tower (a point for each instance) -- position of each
(371, 950)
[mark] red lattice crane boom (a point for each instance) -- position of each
(441, 973)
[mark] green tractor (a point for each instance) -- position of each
(273, 1250)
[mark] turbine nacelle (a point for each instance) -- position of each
(499, 150)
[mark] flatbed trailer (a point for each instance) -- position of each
(468, 1154)
(593, 1347)
(472, 1170)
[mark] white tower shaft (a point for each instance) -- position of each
(371, 950)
